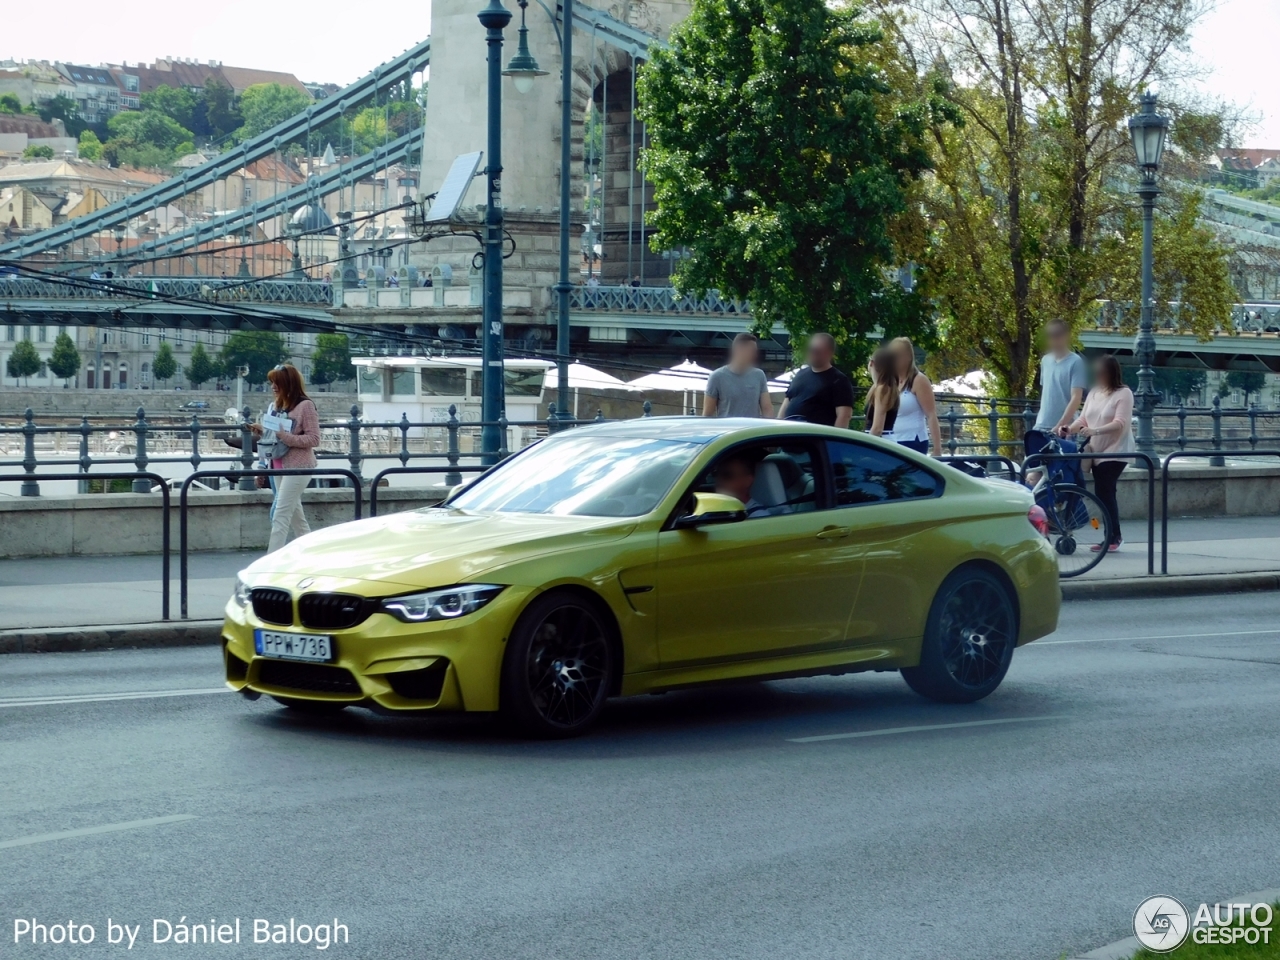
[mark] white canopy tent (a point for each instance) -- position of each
(688, 379)
(583, 377)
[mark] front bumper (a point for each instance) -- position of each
(383, 663)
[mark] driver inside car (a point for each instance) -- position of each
(735, 476)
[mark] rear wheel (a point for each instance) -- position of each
(315, 708)
(1079, 529)
(968, 640)
(559, 661)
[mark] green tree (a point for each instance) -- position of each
(780, 158)
(24, 361)
(163, 367)
(221, 109)
(202, 367)
(332, 359)
(90, 146)
(259, 350)
(1025, 194)
(145, 138)
(65, 109)
(39, 151)
(1248, 382)
(1174, 384)
(177, 103)
(263, 105)
(64, 362)
(9, 103)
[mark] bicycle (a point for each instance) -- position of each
(1075, 522)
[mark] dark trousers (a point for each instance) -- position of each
(1105, 476)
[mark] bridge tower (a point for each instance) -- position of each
(603, 98)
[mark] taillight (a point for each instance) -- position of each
(1039, 519)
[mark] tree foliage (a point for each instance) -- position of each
(202, 368)
(24, 361)
(221, 109)
(65, 109)
(146, 138)
(178, 104)
(331, 360)
(259, 350)
(90, 147)
(780, 159)
(1248, 382)
(1027, 192)
(164, 366)
(64, 362)
(264, 105)
(38, 151)
(9, 103)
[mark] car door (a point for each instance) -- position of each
(766, 586)
(891, 505)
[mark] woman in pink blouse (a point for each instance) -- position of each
(1106, 421)
(293, 448)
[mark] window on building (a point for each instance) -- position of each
(144, 373)
(11, 332)
(42, 333)
(146, 339)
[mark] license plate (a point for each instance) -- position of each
(293, 646)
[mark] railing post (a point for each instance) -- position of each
(1182, 426)
(1253, 426)
(453, 477)
(195, 443)
(404, 439)
(1217, 433)
(30, 488)
(599, 415)
(648, 409)
(552, 419)
(246, 449)
(952, 443)
(354, 426)
(993, 429)
(504, 450)
(1028, 419)
(140, 429)
(85, 460)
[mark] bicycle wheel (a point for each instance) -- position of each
(1079, 529)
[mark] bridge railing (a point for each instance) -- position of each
(652, 300)
(199, 289)
(452, 443)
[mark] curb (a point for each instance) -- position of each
(1126, 948)
(116, 636)
(1169, 586)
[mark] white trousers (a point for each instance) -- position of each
(286, 511)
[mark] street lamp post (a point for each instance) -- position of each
(565, 286)
(1148, 130)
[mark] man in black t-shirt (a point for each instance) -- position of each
(819, 393)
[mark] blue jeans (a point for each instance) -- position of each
(919, 446)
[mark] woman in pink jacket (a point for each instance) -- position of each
(290, 449)
(1106, 421)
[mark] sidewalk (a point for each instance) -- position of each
(63, 592)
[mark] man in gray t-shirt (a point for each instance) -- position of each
(1063, 379)
(740, 388)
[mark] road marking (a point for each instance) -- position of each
(105, 697)
(90, 831)
(933, 726)
(1170, 636)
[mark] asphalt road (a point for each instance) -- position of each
(1142, 759)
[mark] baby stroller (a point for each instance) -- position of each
(1075, 522)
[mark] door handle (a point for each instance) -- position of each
(834, 533)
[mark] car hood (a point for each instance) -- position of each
(428, 548)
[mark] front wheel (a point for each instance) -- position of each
(1079, 529)
(557, 669)
(968, 639)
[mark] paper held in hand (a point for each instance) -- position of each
(273, 421)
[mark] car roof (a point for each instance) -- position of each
(701, 429)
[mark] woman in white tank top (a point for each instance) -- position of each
(917, 422)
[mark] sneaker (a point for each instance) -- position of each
(1115, 547)
(1096, 548)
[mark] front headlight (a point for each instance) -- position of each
(448, 603)
(242, 592)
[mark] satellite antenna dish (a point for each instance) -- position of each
(454, 189)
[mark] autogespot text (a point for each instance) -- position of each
(33, 931)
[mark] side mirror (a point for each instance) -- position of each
(710, 509)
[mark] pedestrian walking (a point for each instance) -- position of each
(287, 438)
(917, 425)
(1106, 422)
(883, 399)
(819, 393)
(739, 388)
(1063, 379)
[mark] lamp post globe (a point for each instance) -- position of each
(1148, 131)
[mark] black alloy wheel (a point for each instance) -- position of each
(969, 639)
(558, 666)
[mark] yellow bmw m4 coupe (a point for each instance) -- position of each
(651, 555)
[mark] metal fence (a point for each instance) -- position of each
(453, 442)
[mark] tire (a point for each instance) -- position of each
(1073, 541)
(968, 639)
(558, 667)
(314, 708)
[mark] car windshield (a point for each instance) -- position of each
(589, 476)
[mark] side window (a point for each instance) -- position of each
(772, 480)
(863, 474)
